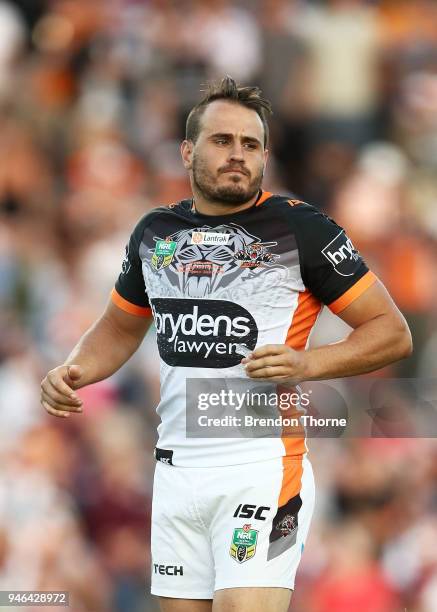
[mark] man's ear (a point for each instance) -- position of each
(266, 156)
(187, 153)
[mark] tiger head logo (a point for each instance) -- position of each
(287, 525)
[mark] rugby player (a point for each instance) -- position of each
(233, 266)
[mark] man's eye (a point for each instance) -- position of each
(251, 146)
(221, 140)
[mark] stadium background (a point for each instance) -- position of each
(93, 97)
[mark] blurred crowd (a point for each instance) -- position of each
(93, 100)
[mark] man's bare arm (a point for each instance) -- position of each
(380, 336)
(101, 351)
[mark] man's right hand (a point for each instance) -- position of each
(57, 390)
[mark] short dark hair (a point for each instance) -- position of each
(228, 90)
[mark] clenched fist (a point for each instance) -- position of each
(57, 390)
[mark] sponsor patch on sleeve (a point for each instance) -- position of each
(342, 255)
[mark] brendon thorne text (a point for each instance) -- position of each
(307, 420)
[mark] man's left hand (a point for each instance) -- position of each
(276, 363)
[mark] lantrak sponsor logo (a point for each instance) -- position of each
(342, 254)
(209, 238)
(202, 333)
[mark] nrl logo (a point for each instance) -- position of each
(287, 525)
(255, 254)
(243, 545)
(163, 253)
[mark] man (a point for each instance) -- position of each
(233, 271)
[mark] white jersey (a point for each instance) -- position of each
(219, 287)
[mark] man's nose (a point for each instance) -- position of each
(237, 152)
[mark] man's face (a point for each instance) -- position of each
(228, 159)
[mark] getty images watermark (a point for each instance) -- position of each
(355, 407)
(282, 401)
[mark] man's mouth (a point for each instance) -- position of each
(235, 171)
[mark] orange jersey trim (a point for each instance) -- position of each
(291, 479)
(353, 293)
(132, 309)
(264, 196)
(304, 318)
(295, 202)
(293, 438)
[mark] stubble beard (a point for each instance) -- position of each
(233, 193)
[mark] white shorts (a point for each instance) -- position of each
(224, 527)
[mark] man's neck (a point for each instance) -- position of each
(215, 208)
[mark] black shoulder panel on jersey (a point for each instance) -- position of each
(130, 283)
(330, 264)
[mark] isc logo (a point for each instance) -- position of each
(251, 510)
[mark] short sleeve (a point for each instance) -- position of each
(129, 292)
(332, 269)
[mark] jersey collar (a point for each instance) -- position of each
(262, 197)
